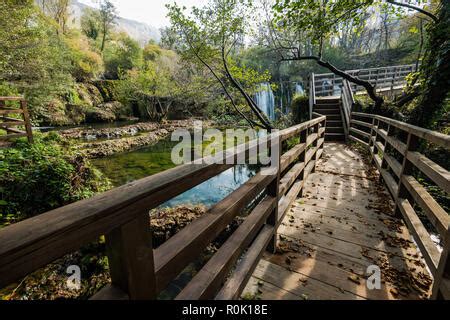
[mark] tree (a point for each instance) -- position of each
(59, 11)
(90, 23)
(108, 14)
(210, 36)
(122, 55)
(319, 21)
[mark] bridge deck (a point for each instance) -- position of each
(342, 225)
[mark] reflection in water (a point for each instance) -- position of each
(129, 166)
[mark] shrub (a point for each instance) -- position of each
(47, 174)
(300, 108)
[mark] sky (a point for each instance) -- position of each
(152, 12)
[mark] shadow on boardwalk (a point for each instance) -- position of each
(343, 224)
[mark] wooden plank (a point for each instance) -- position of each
(293, 131)
(390, 182)
(289, 281)
(435, 213)
(426, 245)
(287, 200)
(110, 292)
(393, 164)
(26, 118)
(11, 111)
(37, 241)
(12, 123)
(12, 130)
(12, 98)
(361, 123)
(332, 272)
(237, 281)
(438, 138)
(435, 172)
(355, 139)
(253, 290)
(11, 136)
(311, 138)
(290, 156)
(208, 280)
(289, 178)
(173, 255)
(130, 258)
(360, 132)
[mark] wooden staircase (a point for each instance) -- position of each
(331, 108)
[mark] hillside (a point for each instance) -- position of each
(139, 31)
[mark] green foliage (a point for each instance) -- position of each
(300, 108)
(38, 177)
(121, 55)
(90, 23)
(87, 63)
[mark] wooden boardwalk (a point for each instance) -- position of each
(343, 223)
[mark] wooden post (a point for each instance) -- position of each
(26, 118)
(443, 271)
(375, 124)
(273, 191)
(407, 167)
(303, 138)
(130, 256)
(386, 145)
(315, 144)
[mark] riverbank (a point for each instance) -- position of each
(103, 142)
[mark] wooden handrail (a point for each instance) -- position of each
(382, 78)
(9, 124)
(121, 214)
(376, 132)
(312, 94)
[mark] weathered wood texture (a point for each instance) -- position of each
(343, 224)
(140, 272)
(394, 149)
(18, 106)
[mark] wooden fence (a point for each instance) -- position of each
(390, 78)
(10, 124)
(394, 149)
(139, 271)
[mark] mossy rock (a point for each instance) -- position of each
(89, 94)
(107, 89)
(108, 112)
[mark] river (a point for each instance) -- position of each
(129, 166)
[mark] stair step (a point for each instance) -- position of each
(334, 130)
(334, 123)
(333, 117)
(334, 137)
(327, 101)
(327, 107)
(329, 111)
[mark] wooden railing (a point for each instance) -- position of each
(394, 149)
(139, 271)
(10, 124)
(312, 95)
(329, 84)
(347, 103)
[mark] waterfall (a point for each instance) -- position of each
(299, 89)
(265, 100)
